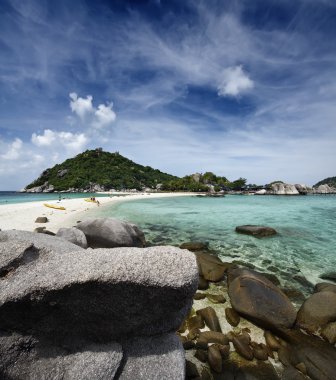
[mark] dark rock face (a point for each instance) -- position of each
(257, 231)
(331, 276)
(317, 311)
(25, 357)
(159, 357)
(73, 235)
(111, 233)
(256, 298)
(72, 300)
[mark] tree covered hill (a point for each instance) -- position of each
(331, 181)
(108, 170)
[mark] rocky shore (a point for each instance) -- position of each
(96, 302)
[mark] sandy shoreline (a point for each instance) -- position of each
(22, 216)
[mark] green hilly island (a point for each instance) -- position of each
(108, 170)
(330, 181)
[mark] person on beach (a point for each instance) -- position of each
(98, 203)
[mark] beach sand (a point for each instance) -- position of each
(22, 216)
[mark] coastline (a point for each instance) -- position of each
(22, 216)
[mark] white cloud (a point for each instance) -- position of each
(14, 150)
(99, 117)
(234, 82)
(81, 106)
(104, 116)
(71, 141)
(46, 139)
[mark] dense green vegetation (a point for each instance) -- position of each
(111, 170)
(331, 181)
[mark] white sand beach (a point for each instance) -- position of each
(22, 216)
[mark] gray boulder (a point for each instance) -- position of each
(155, 358)
(111, 233)
(73, 235)
(280, 188)
(257, 231)
(318, 310)
(259, 300)
(100, 294)
(24, 357)
(42, 242)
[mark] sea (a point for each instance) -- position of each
(302, 251)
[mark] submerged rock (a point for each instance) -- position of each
(331, 276)
(257, 231)
(111, 233)
(259, 300)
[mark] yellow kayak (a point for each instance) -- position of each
(54, 206)
(89, 200)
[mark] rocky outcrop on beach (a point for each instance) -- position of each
(73, 313)
(253, 332)
(280, 188)
(324, 189)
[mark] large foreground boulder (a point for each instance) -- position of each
(74, 235)
(259, 300)
(24, 357)
(42, 242)
(257, 231)
(111, 233)
(157, 357)
(99, 295)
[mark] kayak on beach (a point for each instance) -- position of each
(90, 200)
(54, 206)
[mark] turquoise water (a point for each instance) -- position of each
(10, 197)
(304, 248)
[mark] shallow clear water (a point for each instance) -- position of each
(10, 197)
(304, 247)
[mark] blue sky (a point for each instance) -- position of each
(240, 88)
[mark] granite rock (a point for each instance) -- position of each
(73, 235)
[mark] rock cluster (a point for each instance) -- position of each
(73, 313)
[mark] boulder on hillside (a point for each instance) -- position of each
(317, 311)
(259, 300)
(73, 235)
(25, 357)
(257, 231)
(111, 233)
(157, 357)
(41, 241)
(100, 294)
(280, 188)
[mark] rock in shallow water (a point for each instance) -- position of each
(100, 294)
(257, 231)
(111, 233)
(256, 298)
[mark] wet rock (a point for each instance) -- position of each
(210, 318)
(111, 233)
(304, 282)
(271, 277)
(199, 296)
(294, 295)
(272, 342)
(195, 322)
(191, 370)
(203, 284)
(25, 357)
(242, 347)
(195, 246)
(73, 235)
(301, 367)
(257, 299)
(256, 231)
(317, 310)
(201, 355)
(213, 337)
(232, 316)
(193, 334)
(331, 276)
(329, 332)
(215, 359)
(187, 344)
(325, 287)
(155, 357)
(68, 295)
(210, 267)
(259, 351)
(284, 356)
(216, 298)
(290, 373)
(41, 219)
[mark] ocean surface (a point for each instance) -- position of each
(304, 249)
(10, 197)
